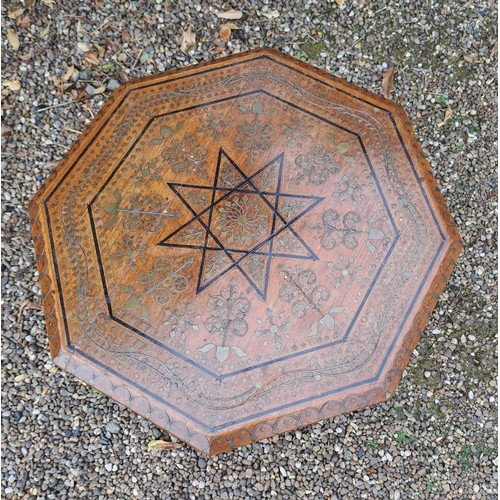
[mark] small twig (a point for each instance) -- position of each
(315, 40)
(72, 130)
(427, 114)
(136, 60)
(27, 304)
(359, 39)
(101, 26)
(44, 131)
(122, 49)
(67, 103)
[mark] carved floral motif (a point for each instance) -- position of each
(228, 311)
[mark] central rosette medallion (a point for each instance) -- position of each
(241, 222)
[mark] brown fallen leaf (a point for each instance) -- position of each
(340, 2)
(6, 131)
(14, 11)
(13, 39)
(447, 115)
(25, 57)
(126, 37)
(30, 3)
(45, 31)
(470, 58)
(494, 49)
(225, 33)
(69, 73)
(24, 22)
(230, 14)
(13, 85)
(100, 51)
(387, 82)
(91, 58)
(188, 39)
(159, 444)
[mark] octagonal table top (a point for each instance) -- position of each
(241, 248)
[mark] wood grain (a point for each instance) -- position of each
(240, 248)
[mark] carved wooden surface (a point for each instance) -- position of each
(241, 248)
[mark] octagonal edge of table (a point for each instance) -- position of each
(241, 248)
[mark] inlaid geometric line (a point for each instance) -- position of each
(234, 256)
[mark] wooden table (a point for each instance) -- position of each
(240, 248)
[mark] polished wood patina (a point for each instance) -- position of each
(240, 248)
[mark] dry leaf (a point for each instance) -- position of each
(447, 115)
(69, 73)
(470, 58)
(188, 39)
(13, 38)
(6, 131)
(91, 58)
(340, 2)
(232, 26)
(24, 22)
(14, 11)
(84, 47)
(494, 49)
(387, 82)
(230, 14)
(100, 90)
(100, 51)
(30, 3)
(123, 75)
(225, 33)
(14, 85)
(272, 14)
(25, 57)
(45, 31)
(159, 444)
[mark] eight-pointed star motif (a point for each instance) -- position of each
(241, 222)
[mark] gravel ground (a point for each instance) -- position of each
(436, 438)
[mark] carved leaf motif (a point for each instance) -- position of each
(240, 352)
(258, 107)
(206, 348)
(222, 353)
(375, 234)
(166, 132)
(111, 209)
(370, 246)
(343, 147)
